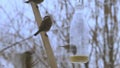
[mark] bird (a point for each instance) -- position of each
(35, 1)
(45, 25)
(70, 48)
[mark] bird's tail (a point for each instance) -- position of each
(27, 1)
(37, 33)
(66, 47)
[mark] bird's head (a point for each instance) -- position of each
(47, 17)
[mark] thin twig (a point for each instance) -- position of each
(14, 44)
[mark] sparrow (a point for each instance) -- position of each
(45, 25)
(35, 1)
(70, 48)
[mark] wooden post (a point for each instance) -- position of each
(28, 59)
(17, 59)
(49, 52)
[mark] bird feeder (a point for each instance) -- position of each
(79, 36)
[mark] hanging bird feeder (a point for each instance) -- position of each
(79, 36)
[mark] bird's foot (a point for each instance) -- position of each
(37, 6)
(46, 35)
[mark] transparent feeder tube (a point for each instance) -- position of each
(79, 37)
